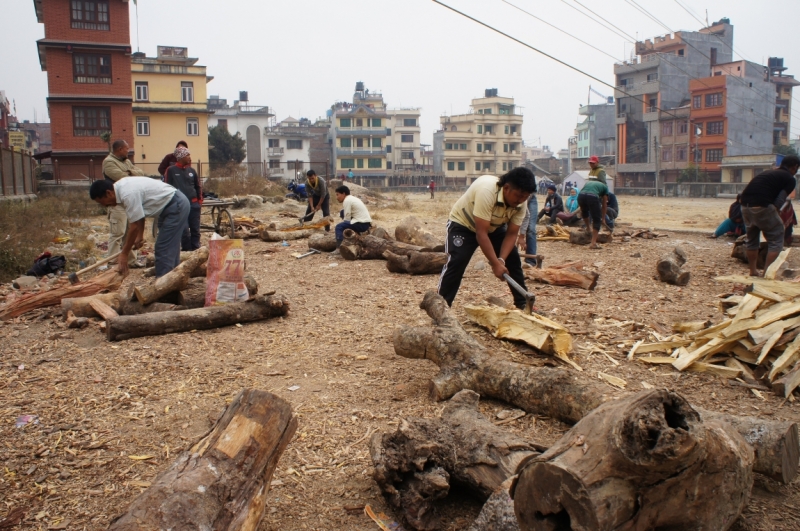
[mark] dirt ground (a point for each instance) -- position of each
(98, 404)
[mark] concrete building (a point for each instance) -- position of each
(742, 168)
(249, 121)
(563, 156)
(86, 53)
(674, 141)
(596, 134)
(535, 152)
(487, 140)
(169, 104)
(783, 85)
(403, 148)
(657, 80)
(294, 146)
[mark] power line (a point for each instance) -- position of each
(633, 39)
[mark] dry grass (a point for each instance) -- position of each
(233, 180)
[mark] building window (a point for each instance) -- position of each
(142, 91)
(697, 102)
(698, 155)
(488, 129)
(487, 165)
(345, 122)
(294, 144)
(666, 128)
(479, 147)
(223, 124)
(680, 153)
(652, 77)
(451, 166)
(359, 142)
(142, 126)
(462, 147)
(713, 155)
(737, 176)
(714, 128)
(487, 111)
(448, 145)
(506, 129)
(408, 155)
(462, 166)
(666, 154)
(477, 166)
(359, 163)
(187, 92)
(480, 129)
(505, 148)
(388, 164)
(274, 163)
(348, 163)
(376, 122)
(360, 122)
(345, 142)
(683, 128)
(91, 68)
(273, 142)
(407, 138)
(91, 121)
(377, 142)
(89, 15)
(714, 100)
(505, 164)
(388, 149)
(375, 163)
(192, 127)
(410, 122)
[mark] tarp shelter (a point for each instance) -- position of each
(578, 178)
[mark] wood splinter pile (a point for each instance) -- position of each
(757, 343)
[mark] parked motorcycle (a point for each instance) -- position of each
(297, 191)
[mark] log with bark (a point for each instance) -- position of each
(415, 263)
(153, 324)
(558, 393)
(416, 464)
(497, 514)
(670, 268)
(322, 241)
(410, 230)
(137, 308)
(194, 295)
(82, 307)
(150, 261)
(647, 461)
(567, 276)
(581, 237)
(107, 281)
(368, 247)
(222, 481)
(277, 236)
(175, 280)
(739, 252)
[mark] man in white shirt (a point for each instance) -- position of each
(143, 197)
(354, 213)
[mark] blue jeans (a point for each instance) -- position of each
(171, 224)
(728, 226)
(344, 225)
(530, 235)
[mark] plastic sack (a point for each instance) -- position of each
(225, 272)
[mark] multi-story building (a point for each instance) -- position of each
(674, 141)
(295, 146)
(563, 156)
(169, 104)
(783, 85)
(657, 81)
(487, 140)
(86, 54)
(249, 121)
(535, 152)
(403, 148)
(6, 117)
(595, 134)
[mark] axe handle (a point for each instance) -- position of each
(98, 264)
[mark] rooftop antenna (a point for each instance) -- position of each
(136, 3)
(707, 18)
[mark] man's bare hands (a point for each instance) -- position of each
(122, 266)
(499, 269)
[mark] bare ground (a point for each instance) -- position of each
(100, 404)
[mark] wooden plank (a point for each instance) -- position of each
(790, 289)
(633, 349)
(772, 270)
(661, 346)
(104, 310)
(784, 386)
(775, 313)
(747, 308)
(657, 360)
(716, 329)
(712, 347)
(786, 359)
(690, 326)
(717, 370)
(764, 293)
(747, 374)
(768, 345)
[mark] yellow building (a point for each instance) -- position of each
(169, 104)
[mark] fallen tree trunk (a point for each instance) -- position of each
(410, 230)
(416, 464)
(137, 308)
(497, 514)
(415, 263)
(222, 481)
(278, 236)
(646, 461)
(581, 237)
(568, 276)
(175, 280)
(670, 268)
(558, 393)
(109, 280)
(368, 247)
(82, 307)
(194, 295)
(153, 324)
(325, 242)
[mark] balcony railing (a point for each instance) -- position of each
(275, 151)
(375, 152)
(361, 131)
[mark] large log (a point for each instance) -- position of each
(175, 280)
(322, 241)
(416, 465)
(194, 295)
(670, 268)
(137, 308)
(278, 236)
(150, 261)
(581, 237)
(222, 481)
(153, 324)
(82, 307)
(410, 230)
(367, 247)
(107, 281)
(568, 276)
(558, 393)
(646, 461)
(497, 514)
(415, 263)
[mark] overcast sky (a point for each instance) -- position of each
(300, 56)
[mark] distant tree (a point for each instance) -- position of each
(693, 174)
(784, 150)
(106, 137)
(224, 147)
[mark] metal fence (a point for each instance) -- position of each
(17, 173)
(702, 189)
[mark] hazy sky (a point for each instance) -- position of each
(301, 56)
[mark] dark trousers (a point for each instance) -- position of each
(344, 225)
(552, 214)
(460, 246)
(591, 206)
(190, 241)
(171, 224)
(326, 209)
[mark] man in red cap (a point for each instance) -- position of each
(597, 169)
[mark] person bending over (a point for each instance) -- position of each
(593, 201)
(734, 223)
(354, 213)
(318, 197)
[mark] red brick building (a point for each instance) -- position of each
(86, 53)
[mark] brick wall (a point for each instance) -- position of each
(60, 75)
(61, 127)
(58, 24)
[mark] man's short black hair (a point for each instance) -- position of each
(309, 173)
(343, 190)
(99, 188)
(790, 161)
(117, 144)
(520, 178)
(182, 143)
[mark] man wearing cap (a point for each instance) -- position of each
(183, 177)
(597, 169)
(553, 204)
(116, 166)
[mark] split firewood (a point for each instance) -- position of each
(411, 230)
(581, 237)
(81, 306)
(368, 247)
(106, 281)
(175, 280)
(416, 465)
(322, 241)
(772, 270)
(103, 310)
(647, 461)
(670, 268)
(564, 277)
(153, 324)
(554, 392)
(222, 481)
(415, 263)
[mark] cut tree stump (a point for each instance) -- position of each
(647, 461)
(411, 230)
(368, 247)
(175, 280)
(567, 276)
(222, 481)
(325, 242)
(558, 393)
(670, 268)
(108, 281)
(416, 464)
(415, 263)
(153, 324)
(581, 237)
(81, 306)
